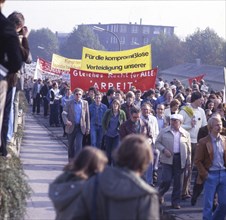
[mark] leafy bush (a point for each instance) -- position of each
(14, 189)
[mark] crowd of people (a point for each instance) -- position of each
(172, 118)
(124, 149)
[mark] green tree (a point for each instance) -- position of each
(167, 51)
(207, 46)
(81, 37)
(43, 43)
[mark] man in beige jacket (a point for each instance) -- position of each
(76, 118)
(175, 146)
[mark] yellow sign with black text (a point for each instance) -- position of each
(64, 63)
(127, 61)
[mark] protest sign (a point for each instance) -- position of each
(143, 80)
(64, 63)
(127, 61)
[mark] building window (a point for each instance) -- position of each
(115, 28)
(167, 31)
(134, 41)
(123, 28)
(145, 40)
(134, 29)
(156, 30)
(122, 40)
(114, 40)
(146, 30)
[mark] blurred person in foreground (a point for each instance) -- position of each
(16, 82)
(119, 192)
(11, 59)
(210, 160)
(66, 189)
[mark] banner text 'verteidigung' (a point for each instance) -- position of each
(134, 60)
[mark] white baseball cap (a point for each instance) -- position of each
(177, 117)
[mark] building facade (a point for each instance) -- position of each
(130, 35)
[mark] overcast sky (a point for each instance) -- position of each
(62, 16)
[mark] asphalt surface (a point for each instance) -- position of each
(43, 157)
(44, 154)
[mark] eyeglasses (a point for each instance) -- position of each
(78, 94)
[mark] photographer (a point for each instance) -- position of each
(10, 62)
(12, 98)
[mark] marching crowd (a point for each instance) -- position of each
(119, 142)
(184, 128)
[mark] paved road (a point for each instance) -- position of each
(43, 158)
(44, 155)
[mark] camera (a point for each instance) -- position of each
(22, 31)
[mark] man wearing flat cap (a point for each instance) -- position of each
(175, 146)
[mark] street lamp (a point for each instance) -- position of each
(40, 47)
(135, 43)
(102, 29)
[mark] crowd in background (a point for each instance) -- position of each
(136, 140)
(105, 119)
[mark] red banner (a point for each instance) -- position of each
(198, 78)
(45, 66)
(102, 81)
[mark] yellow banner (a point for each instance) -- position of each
(135, 60)
(64, 63)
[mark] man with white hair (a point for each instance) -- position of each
(175, 146)
(210, 160)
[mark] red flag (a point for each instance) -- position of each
(198, 78)
(45, 66)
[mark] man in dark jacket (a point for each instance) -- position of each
(10, 63)
(108, 98)
(44, 93)
(135, 125)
